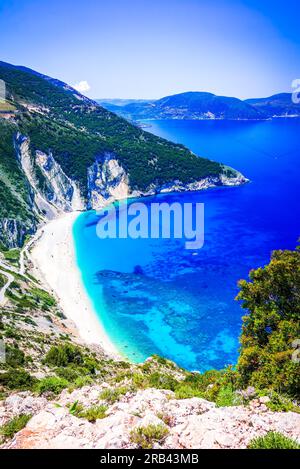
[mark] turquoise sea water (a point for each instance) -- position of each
(154, 296)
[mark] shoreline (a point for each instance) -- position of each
(53, 255)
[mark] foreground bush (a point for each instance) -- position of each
(273, 440)
(272, 299)
(14, 425)
(146, 437)
(14, 356)
(63, 355)
(52, 384)
(93, 413)
(113, 395)
(17, 379)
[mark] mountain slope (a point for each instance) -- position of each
(199, 105)
(190, 105)
(276, 105)
(66, 152)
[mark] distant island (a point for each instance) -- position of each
(201, 105)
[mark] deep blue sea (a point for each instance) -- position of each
(180, 303)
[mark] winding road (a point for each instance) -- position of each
(10, 270)
(10, 279)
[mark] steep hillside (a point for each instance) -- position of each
(65, 152)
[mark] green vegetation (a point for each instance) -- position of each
(64, 355)
(272, 298)
(14, 356)
(15, 196)
(273, 440)
(17, 379)
(113, 395)
(146, 437)
(52, 385)
(3, 280)
(91, 414)
(228, 397)
(12, 255)
(6, 106)
(218, 386)
(43, 297)
(27, 297)
(280, 403)
(9, 429)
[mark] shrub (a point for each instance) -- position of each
(271, 298)
(13, 255)
(212, 385)
(113, 395)
(63, 355)
(90, 364)
(93, 413)
(160, 360)
(146, 437)
(41, 296)
(11, 333)
(68, 373)
(75, 408)
(14, 425)
(18, 379)
(227, 397)
(139, 380)
(14, 356)
(186, 391)
(273, 440)
(203, 380)
(80, 382)
(52, 384)
(279, 403)
(162, 381)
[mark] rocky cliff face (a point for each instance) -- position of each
(53, 191)
(62, 192)
(187, 423)
(107, 181)
(13, 232)
(236, 179)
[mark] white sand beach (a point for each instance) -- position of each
(53, 254)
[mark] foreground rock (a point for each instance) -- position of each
(190, 423)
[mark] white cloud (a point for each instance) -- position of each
(82, 86)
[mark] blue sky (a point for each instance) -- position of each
(150, 49)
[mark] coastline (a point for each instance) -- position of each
(53, 255)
